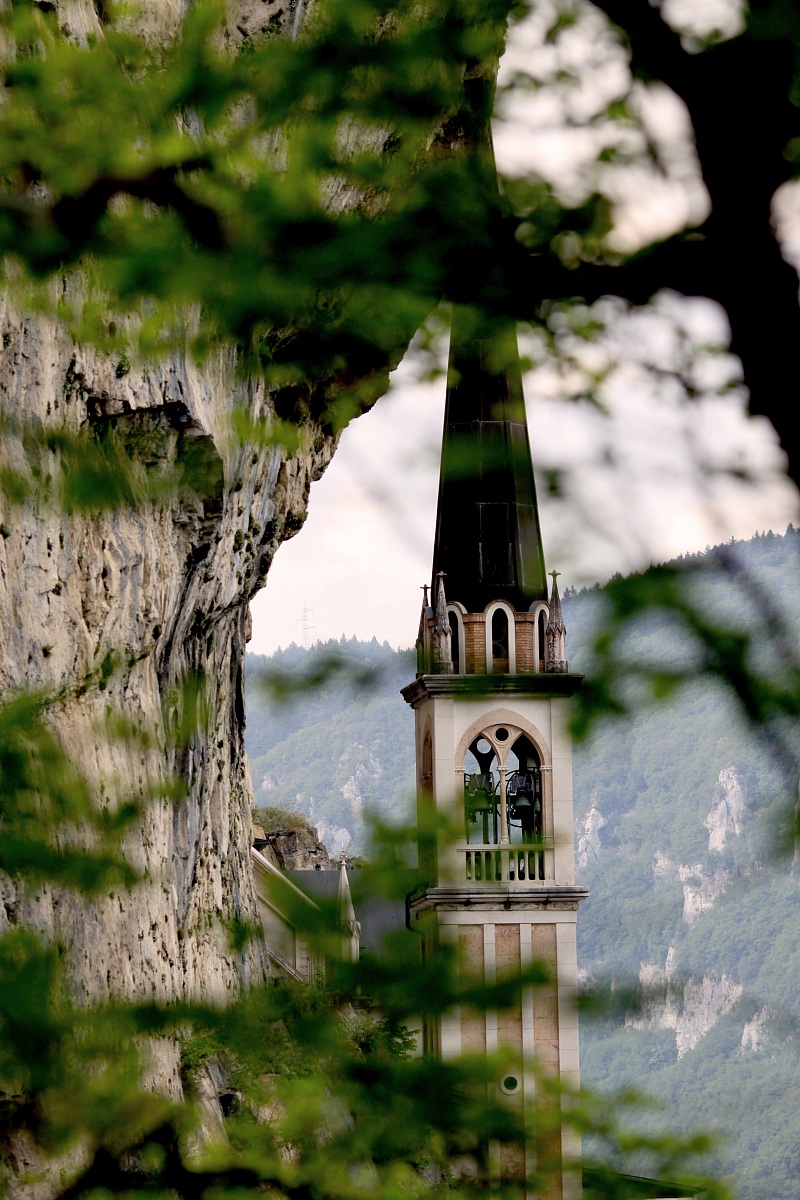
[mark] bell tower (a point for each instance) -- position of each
(494, 756)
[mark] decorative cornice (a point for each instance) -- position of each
(427, 686)
(565, 897)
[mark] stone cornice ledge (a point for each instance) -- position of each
(554, 895)
(464, 686)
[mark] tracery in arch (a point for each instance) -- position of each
(481, 793)
(524, 793)
(483, 819)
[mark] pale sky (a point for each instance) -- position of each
(645, 471)
(366, 547)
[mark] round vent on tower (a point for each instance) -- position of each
(511, 1084)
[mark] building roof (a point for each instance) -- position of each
(604, 1181)
(378, 914)
(488, 539)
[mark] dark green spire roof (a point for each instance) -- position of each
(488, 540)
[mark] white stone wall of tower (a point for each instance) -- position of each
(453, 724)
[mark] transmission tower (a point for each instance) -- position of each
(306, 628)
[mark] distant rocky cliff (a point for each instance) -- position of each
(294, 846)
(690, 1007)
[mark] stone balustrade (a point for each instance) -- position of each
(516, 865)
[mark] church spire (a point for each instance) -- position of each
(488, 540)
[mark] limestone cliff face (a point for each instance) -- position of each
(701, 887)
(159, 21)
(297, 848)
(724, 820)
(114, 612)
(589, 846)
(689, 1007)
(755, 1035)
(703, 883)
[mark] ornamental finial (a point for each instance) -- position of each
(555, 632)
(442, 649)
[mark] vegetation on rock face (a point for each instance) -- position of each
(654, 778)
(270, 817)
(674, 911)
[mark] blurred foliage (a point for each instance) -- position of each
(249, 184)
(303, 202)
(320, 1093)
(652, 773)
(309, 200)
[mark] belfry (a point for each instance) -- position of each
(494, 755)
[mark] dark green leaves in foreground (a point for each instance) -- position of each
(290, 189)
(320, 1092)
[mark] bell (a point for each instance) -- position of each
(523, 800)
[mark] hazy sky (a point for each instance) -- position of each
(647, 474)
(365, 550)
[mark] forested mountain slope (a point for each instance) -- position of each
(679, 812)
(342, 744)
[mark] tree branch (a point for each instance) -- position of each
(738, 97)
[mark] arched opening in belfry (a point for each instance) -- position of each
(481, 794)
(500, 640)
(426, 772)
(455, 646)
(524, 796)
(542, 652)
(425, 805)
